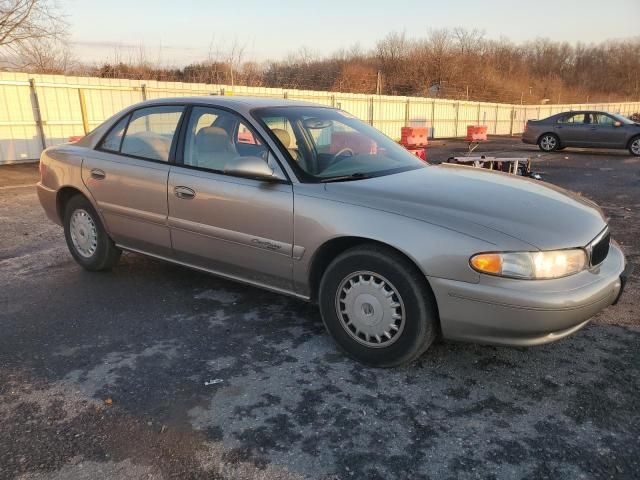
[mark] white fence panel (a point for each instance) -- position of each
(61, 98)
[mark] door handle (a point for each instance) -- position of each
(98, 174)
(184, 192)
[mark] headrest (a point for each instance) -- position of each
(283, 136)
(213, 139)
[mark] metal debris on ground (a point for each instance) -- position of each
(515, 166)
(212, 382)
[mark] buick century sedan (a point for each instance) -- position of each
(308, 201)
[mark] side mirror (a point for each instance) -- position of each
(250, 167)
(617, 124)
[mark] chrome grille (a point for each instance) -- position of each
(599, 248)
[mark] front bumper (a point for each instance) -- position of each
(504, 311)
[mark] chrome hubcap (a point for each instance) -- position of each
(635, 147)
(548, 142)
(370, 309)
(84, 234)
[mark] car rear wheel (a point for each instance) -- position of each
(378, 306)
(549, 142)
(86, 238)
(634, 146)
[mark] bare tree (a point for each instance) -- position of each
(468, 40)
(26, 20)
(44, 55)
(450, 63)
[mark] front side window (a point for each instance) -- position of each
(602, 119)
(283, 130)
(327, 144)
(150, 132)
(216, 138)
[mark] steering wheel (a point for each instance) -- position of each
(339, 154)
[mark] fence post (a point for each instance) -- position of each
(478, 123)
(457, 116)
(371, 111)
(333, 101)
(513, 116)
(143, 87)
(35, 103)
(285, 95)
(406, 114)
(83, 111)
(433, 118)
(495, 125)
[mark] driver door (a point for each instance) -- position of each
(238, 227)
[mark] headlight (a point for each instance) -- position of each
(531, 265)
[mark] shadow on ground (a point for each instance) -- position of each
(149, 335)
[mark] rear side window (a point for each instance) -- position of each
(573, 118)
(146, 133)
(150, 132)
(113, 141)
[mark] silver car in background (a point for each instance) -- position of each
(308, 201)
(591, 129)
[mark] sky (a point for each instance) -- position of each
(180, 32)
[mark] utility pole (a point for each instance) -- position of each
(379, 83)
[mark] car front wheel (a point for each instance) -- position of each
(86, 238)
(549, 142)
(634, 146)
(378, 306)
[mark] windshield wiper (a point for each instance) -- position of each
(345, 178)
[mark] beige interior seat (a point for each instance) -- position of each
(213, 148)
(285, 139)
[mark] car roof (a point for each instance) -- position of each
(235, 102)
(581, 111)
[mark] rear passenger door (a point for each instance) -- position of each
(127, 176)
(235, 226)
(573, 131)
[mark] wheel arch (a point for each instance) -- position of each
(631, 139)
(329, 250)
(548, 133)
(63, 196)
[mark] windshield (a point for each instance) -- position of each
(327, 144)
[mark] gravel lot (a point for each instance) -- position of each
(103, 375)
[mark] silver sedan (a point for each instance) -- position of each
(311, 202)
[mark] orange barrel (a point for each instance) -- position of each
(413, 136)
(477, 133)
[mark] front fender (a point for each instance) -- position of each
(437, 251)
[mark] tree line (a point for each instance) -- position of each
(456, 63)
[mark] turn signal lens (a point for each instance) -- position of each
(531, 265)
(487, 263)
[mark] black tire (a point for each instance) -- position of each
(634, 144)
(420, 325)
(549, 142)
(104, 255)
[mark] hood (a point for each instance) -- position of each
(472, 200)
